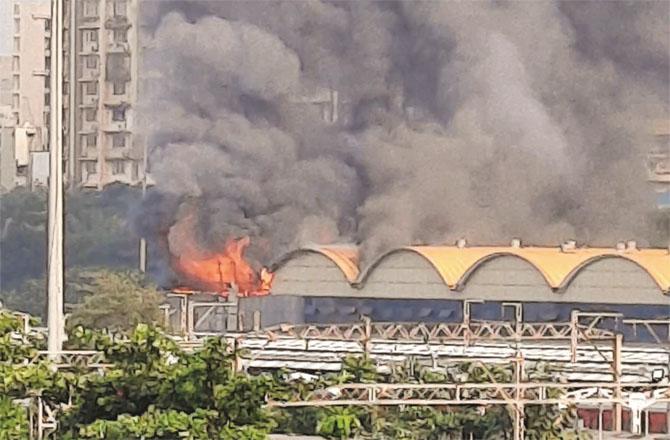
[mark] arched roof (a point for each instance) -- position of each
(344, 257)
(455, 264)
(558, 267)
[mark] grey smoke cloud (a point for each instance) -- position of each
(480, 120)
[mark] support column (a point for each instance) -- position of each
(519, 423)
(600, 422)
(618, 410)
(231, 312)
(55, 318)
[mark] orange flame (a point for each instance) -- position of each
(221, 271)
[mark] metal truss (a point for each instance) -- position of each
(468, 332)
(582, 328)
(479, 394)
(73, 359)
(516, 395)
(652, 327)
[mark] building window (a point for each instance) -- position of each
(17, 25)
(118, 167)
(90, 167)
(119, 87)
(17, 82)
(90, 140)
(47, 25)
(119, 140)
(15, 101)
(120, 35)
(91, 88)
(91, 61)
(118, 114)
(91, 36)
(119, 7)
(90, 8)
(17, 9)
(91, 114)
(15, 63)
(17, 44)
(47, 99)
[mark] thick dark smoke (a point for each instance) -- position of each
(455, 119)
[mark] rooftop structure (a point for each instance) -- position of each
(432, 283)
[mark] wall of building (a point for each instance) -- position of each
(274, 309)
(106, 146)
(331, 310)
(8, 177)
(30, 61)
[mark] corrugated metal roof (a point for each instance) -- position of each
(344, 257)
(456, 264)
(556, 266)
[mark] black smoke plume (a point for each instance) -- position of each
(389, 123)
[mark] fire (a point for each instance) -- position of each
(218, 272)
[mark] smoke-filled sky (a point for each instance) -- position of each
(483, 120)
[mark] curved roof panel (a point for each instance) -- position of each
(455, 264)
(344, 257)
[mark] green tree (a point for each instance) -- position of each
(13, 420)
(97, 232)
(117, 301)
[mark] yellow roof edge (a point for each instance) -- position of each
(348, 268)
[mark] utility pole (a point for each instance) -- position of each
(72, 90)
(143, 241)
(145, 163)
(55, 321)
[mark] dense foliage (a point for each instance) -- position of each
(97, 298)
(97, 232)
(151, 389)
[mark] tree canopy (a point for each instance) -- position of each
(97, 232)
(152, 389)
(100, 298)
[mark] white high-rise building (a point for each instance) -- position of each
(100, 119)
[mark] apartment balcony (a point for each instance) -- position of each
(89, 100)
(89, 48)
(88, 75)
(117, 22)
(118, 47)
(115, 153)
(89, 22)
(116, 126)
(112, 100)
(663, 178)
(89, 127)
